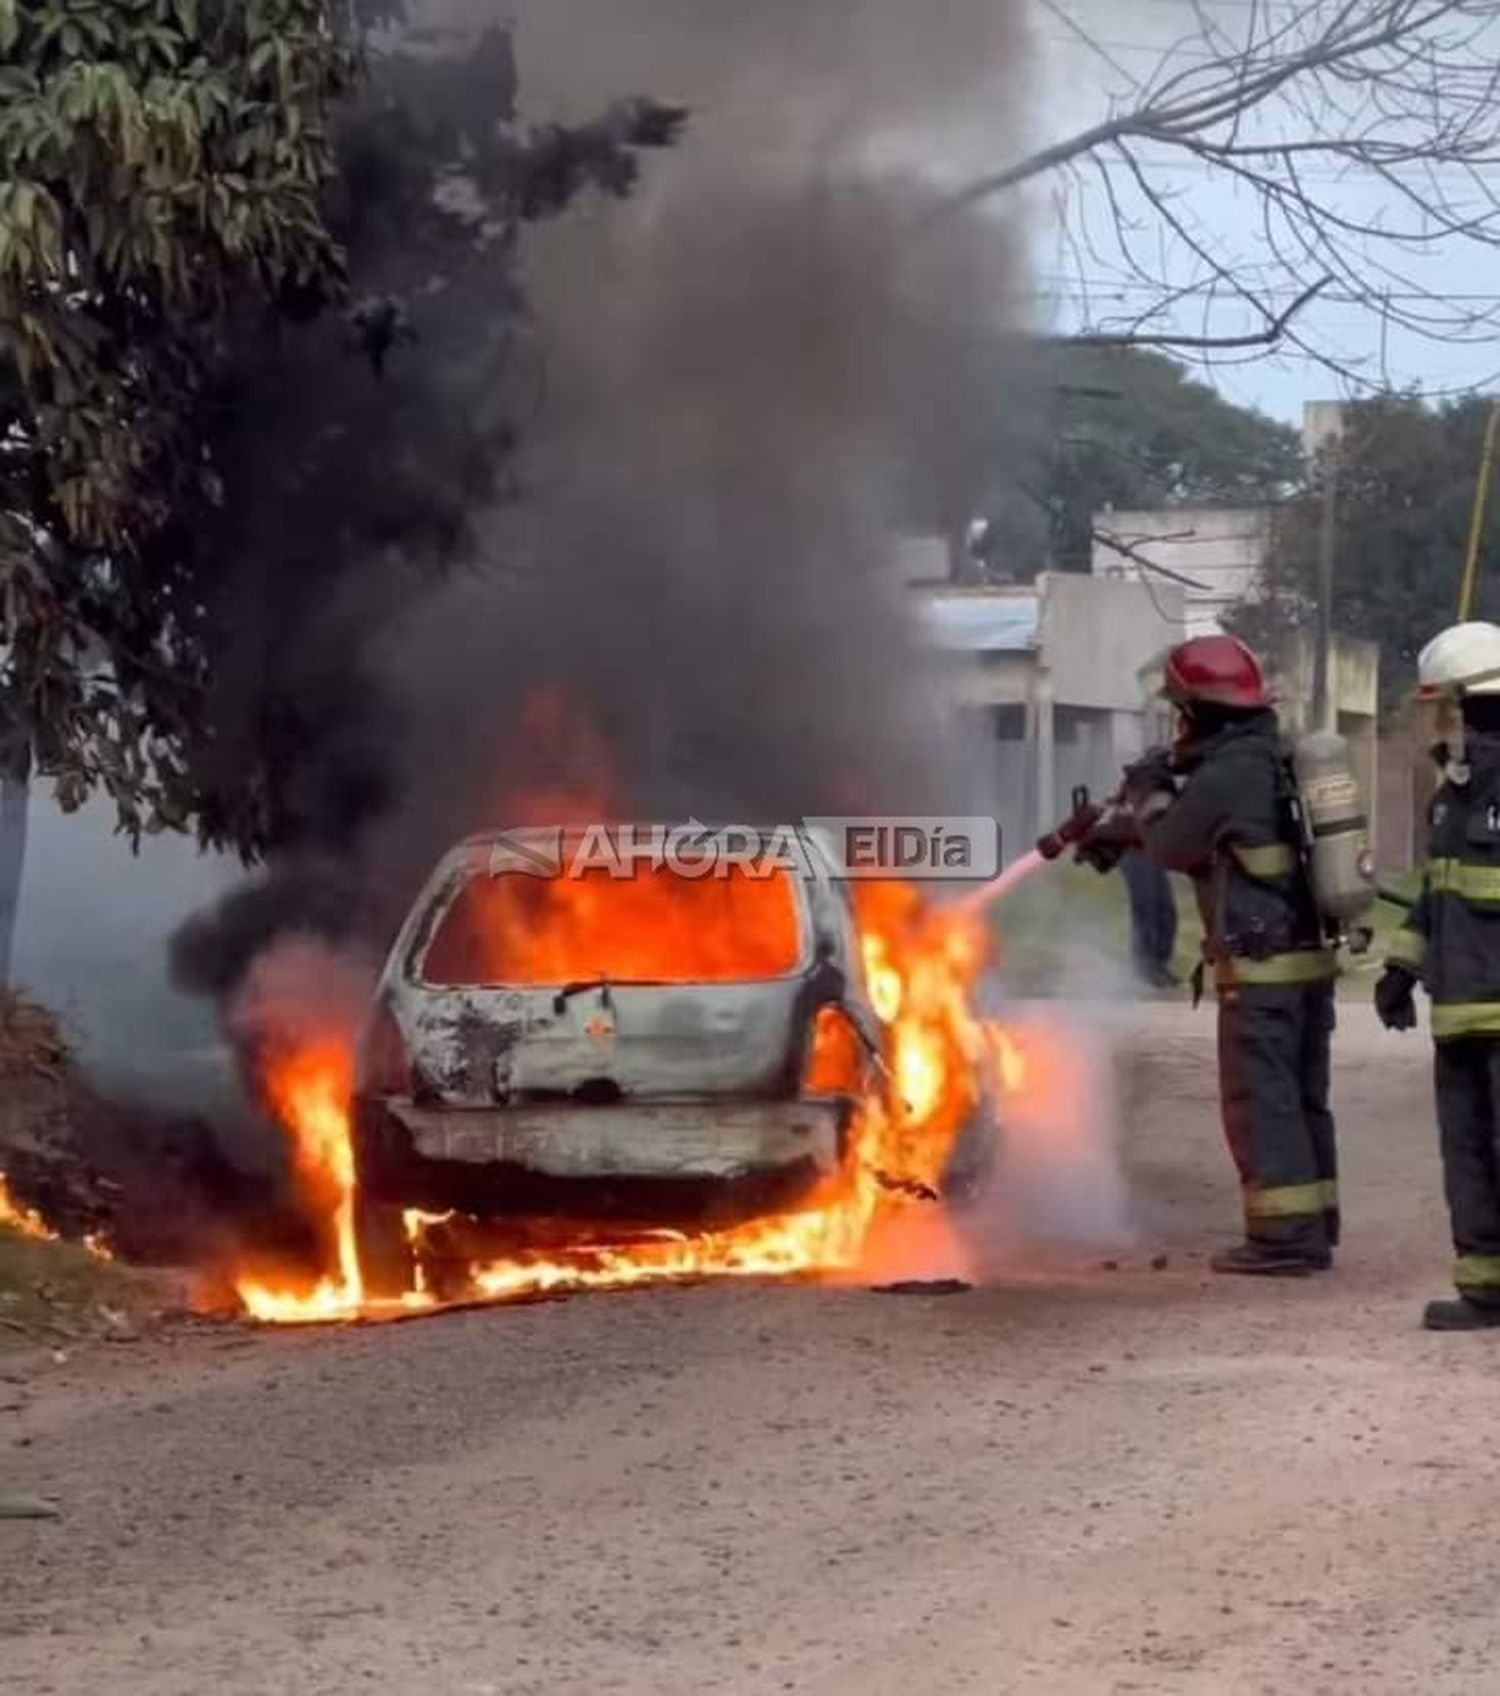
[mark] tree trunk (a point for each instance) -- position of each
(15, 793)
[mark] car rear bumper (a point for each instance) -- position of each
(713, 1161)
(696, 1140)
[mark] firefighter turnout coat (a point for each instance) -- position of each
(1233, 831)
(1451, 940)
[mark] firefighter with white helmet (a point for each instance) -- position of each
(1450, 942)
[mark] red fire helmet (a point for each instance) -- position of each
(1220, 669)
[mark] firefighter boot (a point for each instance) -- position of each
(1267, 1260)
(1460, 1314)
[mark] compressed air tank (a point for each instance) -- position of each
(1338, 828)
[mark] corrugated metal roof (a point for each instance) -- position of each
(983, 624)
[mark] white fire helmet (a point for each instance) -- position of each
(1462, 660)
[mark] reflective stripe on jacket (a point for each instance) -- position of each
(1451, 936)
(1299, 965)
(1230, 829)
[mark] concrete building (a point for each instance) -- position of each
(1218, 551)
(1047, 682)
(1221, 551)
(1052, 688)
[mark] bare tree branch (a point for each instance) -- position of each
(1275, 329)
(1132, 552)
(1365, 132)
(1118, 544)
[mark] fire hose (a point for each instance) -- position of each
(1100, 833)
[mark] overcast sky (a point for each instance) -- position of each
(1129, 37)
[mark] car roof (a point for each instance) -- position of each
(505, 833)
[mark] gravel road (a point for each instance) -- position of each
(1074, 1480)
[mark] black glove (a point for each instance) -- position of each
(1150, 775)
(1102, 855)
(1395, 998)
(1107, 840)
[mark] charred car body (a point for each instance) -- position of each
(629, 1044)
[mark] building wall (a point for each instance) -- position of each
(1407, 780)
(1071, 710)
(1097, 633)
(1353, 680)
(1063, 709)
(1222, 549)
(920, 559)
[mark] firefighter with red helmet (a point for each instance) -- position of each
(1221, 807)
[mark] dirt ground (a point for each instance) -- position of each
(1072, 1481)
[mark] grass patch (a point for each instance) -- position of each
(55, 1292)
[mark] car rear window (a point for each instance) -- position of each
(652, 927)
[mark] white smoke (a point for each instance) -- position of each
(1058, 1179)
(1065, 995)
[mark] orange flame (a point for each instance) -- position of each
(310, 1090)
(654, 927)
(922, 964)
(25, 1221)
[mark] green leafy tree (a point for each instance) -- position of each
(161, 164)
(257, 304)
(1405, 492)
(1129, 429)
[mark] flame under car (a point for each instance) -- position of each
(622, 1049)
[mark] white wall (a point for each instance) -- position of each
(1097, 634)
(1080, 689)
(1223, 549)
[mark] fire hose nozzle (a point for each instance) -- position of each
(1074, 829)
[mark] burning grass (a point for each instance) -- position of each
(53, 1291)
(20, 1219)
(44, 1106)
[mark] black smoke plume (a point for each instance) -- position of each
(739, 386)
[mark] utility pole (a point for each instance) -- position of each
(1323, 428)
(1327, 537)
(1476, 520)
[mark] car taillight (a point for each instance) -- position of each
(835, 1063)
(384, 1068)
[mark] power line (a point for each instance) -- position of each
(1206, 54)
(1353, 173)
(1086, 288)
(1286, 8)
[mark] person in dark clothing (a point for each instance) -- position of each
(1450, 942)
(1218, 807)
(1153, 919)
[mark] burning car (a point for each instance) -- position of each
(620, 1040)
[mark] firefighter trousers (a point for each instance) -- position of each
(1467, 1078)
(1274, 1043)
